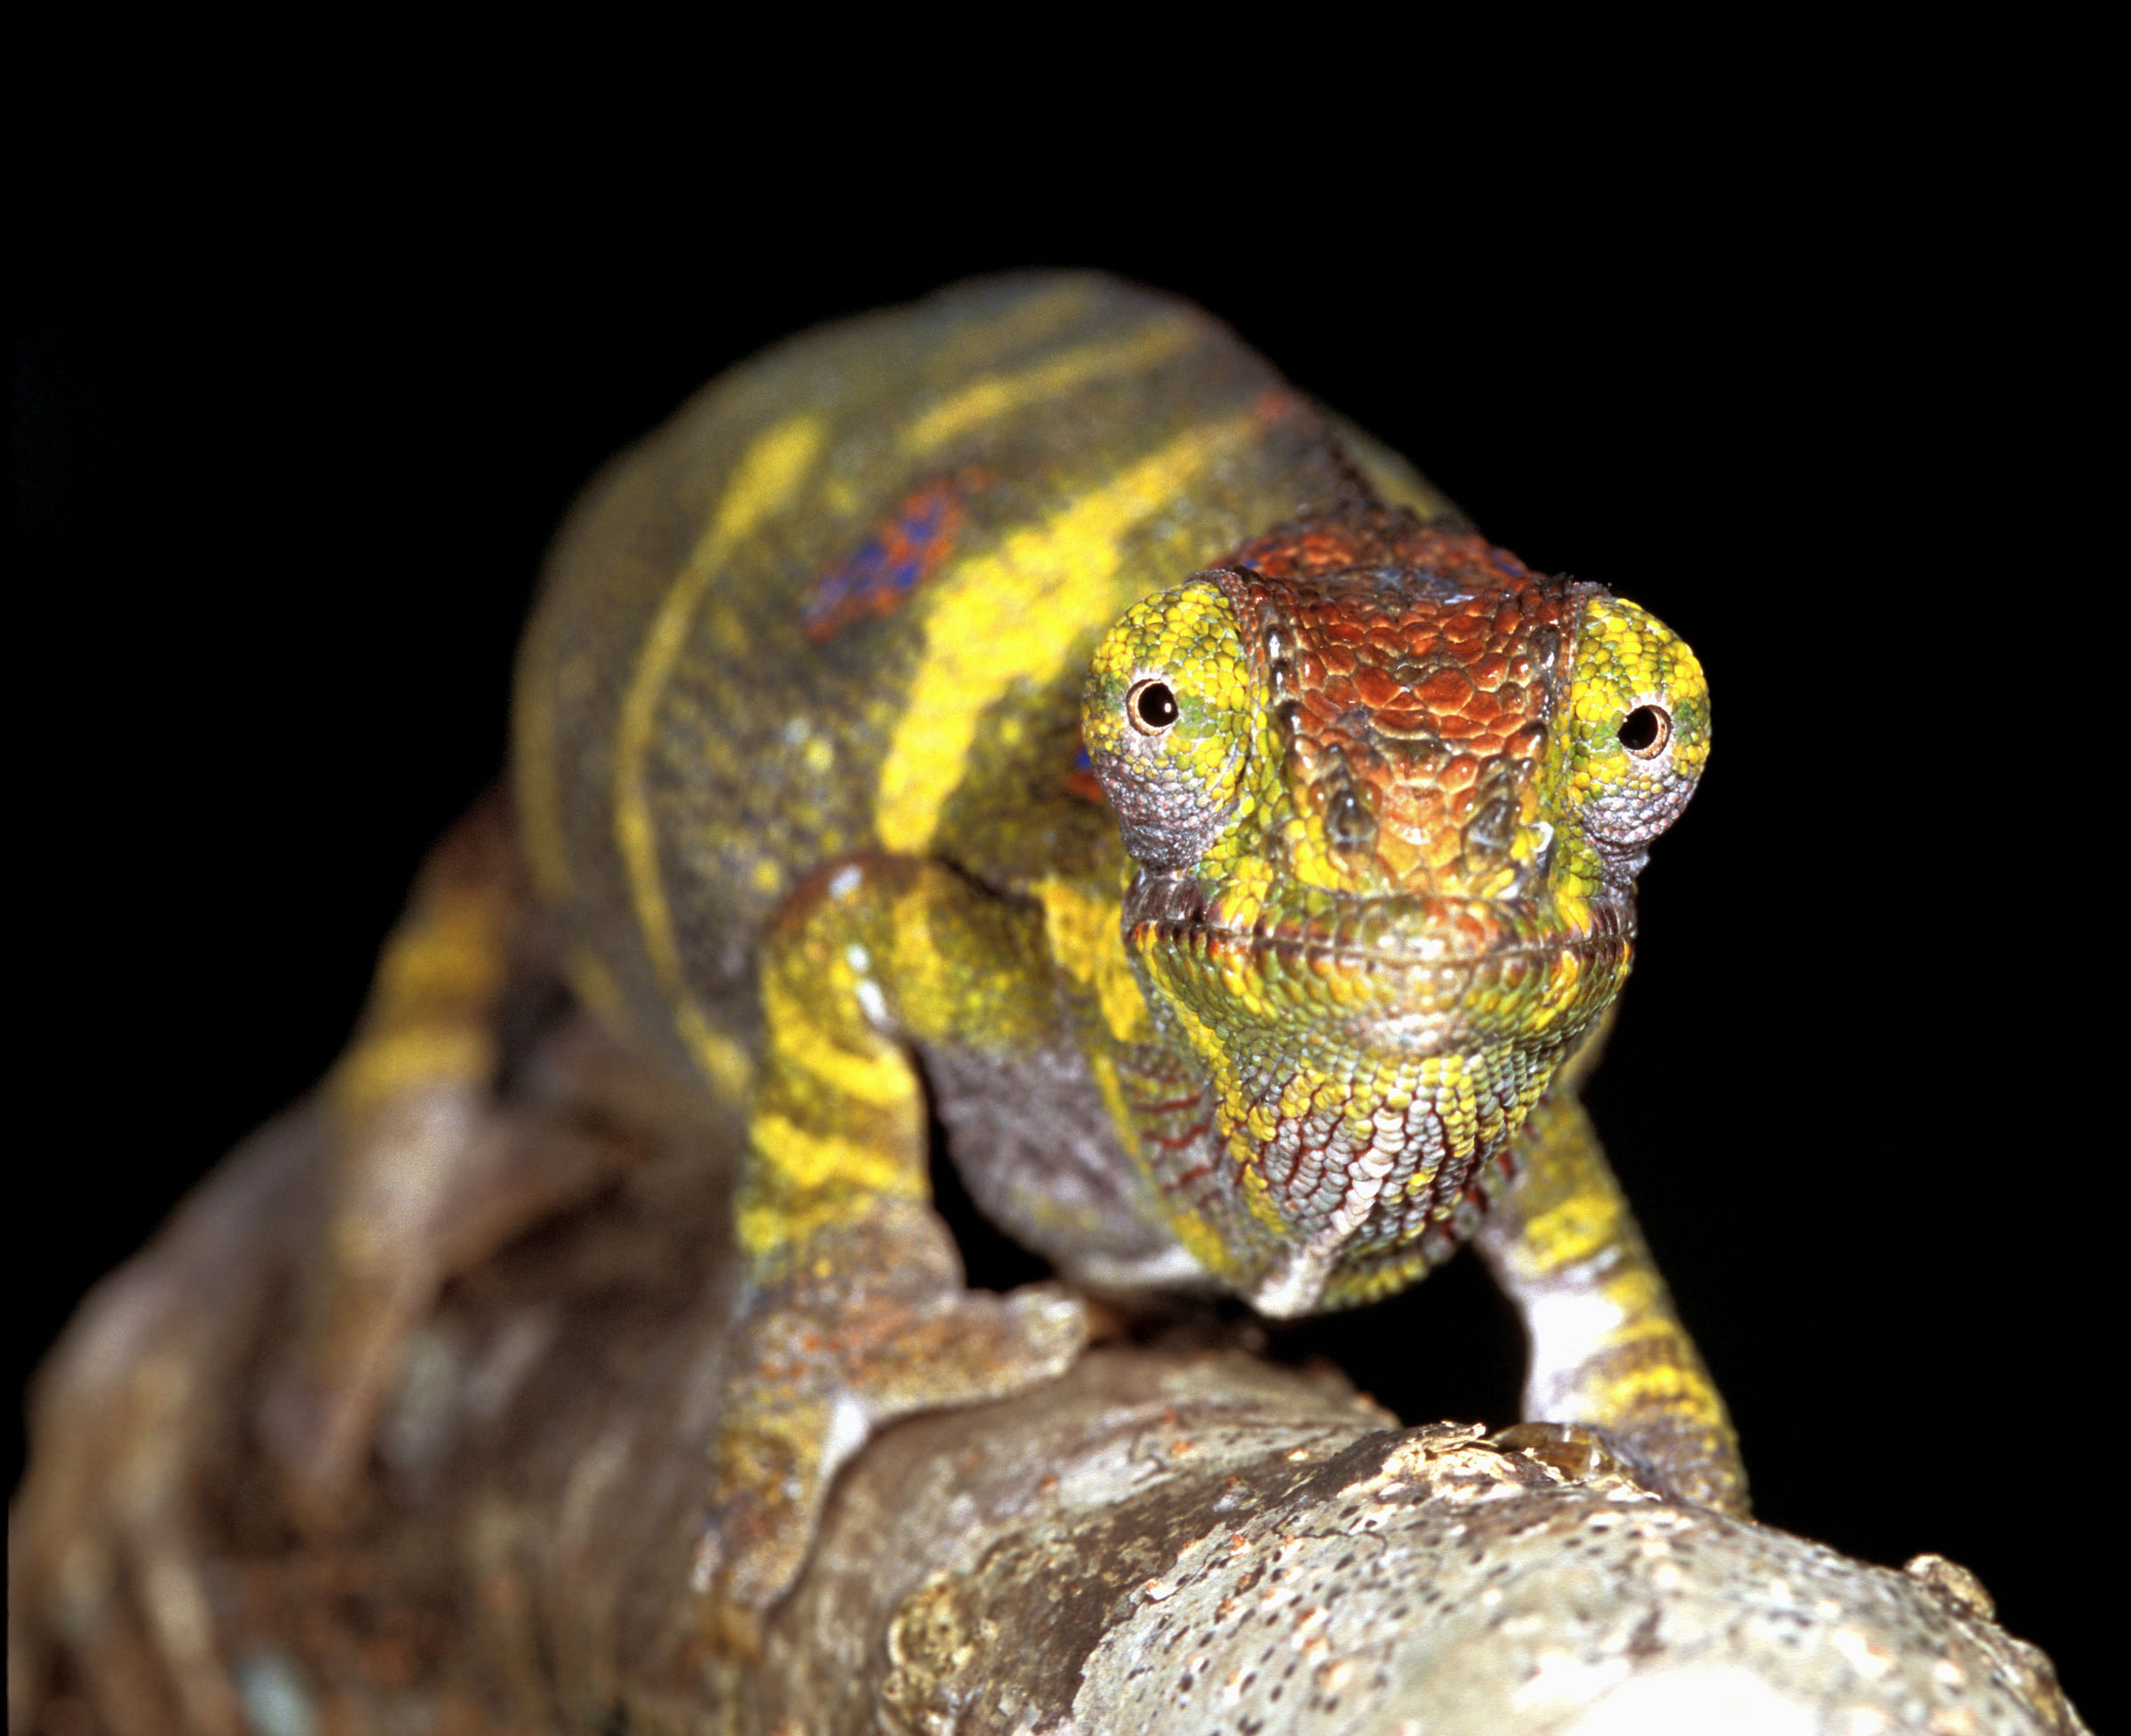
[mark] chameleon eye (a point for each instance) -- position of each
(1645, 730)
(1166, 718)
(1151, 706)
(1638, 715)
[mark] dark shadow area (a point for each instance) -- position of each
(993, 1260)
(1448, 1349)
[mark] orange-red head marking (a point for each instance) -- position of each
(1388, 789)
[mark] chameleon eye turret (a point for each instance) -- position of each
(1166, 721)
(1637, 734)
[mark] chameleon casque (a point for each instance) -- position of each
(1024, 706)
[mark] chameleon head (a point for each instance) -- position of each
(1388, 791)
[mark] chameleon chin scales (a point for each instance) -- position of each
(1024, 706)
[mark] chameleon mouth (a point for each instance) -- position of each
(1401, 932)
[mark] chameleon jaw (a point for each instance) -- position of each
(1403, 968)
(1369, 1064)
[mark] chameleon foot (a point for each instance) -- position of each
(871, 1324)
(1584, 1452)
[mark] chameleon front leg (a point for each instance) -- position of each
(854, 1310)
(1607, 1348)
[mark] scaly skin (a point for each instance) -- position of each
(1385, 891)
(929, 714)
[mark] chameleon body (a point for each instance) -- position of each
(1025, 706)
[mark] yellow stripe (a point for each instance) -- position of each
(797, 1040)
(1203, 1242)
(765, 482)
(1669, 1386)
(1085, 939)
(1000, 395)
(807, 1182)
(412, 1058)
(1014, 615)
(452, 954)
(724, 1063)
(971, 341)
(1572, 1230)
(1214, 1055)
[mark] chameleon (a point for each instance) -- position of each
(1023, 712)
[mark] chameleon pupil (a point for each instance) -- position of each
(1153, 706)
(1645, 731)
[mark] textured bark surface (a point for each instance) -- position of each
(1177, 1537)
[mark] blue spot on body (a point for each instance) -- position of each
(895, 561)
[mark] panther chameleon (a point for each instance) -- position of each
(1025, 711)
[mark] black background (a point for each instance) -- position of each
(295, 421)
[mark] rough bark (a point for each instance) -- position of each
(1178, 1537)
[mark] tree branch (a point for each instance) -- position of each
(1178, 1536)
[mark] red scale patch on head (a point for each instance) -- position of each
(1411, 655)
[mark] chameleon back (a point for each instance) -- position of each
(844, 604)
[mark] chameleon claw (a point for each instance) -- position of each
(790, 1421)
(1583, 1452)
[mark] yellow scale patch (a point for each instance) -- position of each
(1672, 1382)
(1080, 927)
(1213, 1055)
(1083, 935)
(818, 1179)
(412, 1058)
(428, 1025)
(538, 762)
(1203, 1242)
(452, 952)
(882, 1077)
(1584, 1223)
(1243, 894)
(1013, 615)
